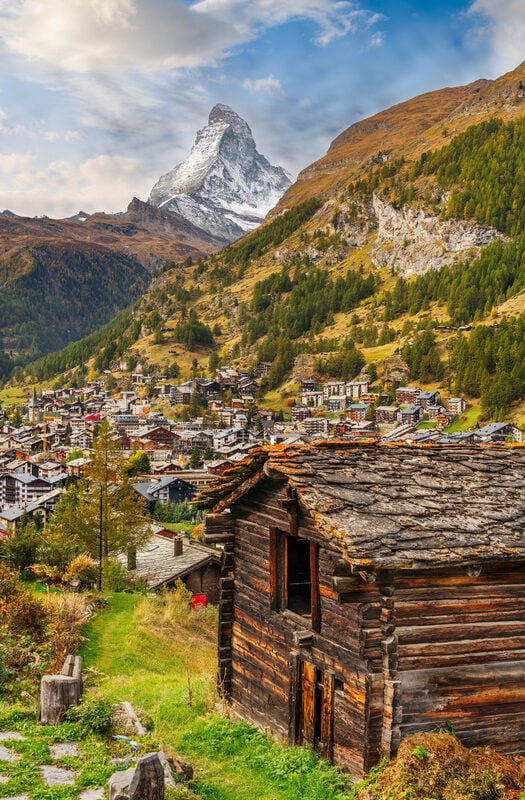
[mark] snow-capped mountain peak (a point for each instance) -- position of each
(224, 186)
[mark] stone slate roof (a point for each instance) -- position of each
(394, 505)
(157, 565)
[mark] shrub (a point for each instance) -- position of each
(20, 611)
(68, 614)
(93, 716)
(82, 568)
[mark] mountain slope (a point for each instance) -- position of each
(407, 129)
(225, 186)
(53, 292)
(62, 279)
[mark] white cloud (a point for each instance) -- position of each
(504, 27)
(96, 36)
(3, 116)
(62, 187)
(52, 136)
(268, 85)
(16, 163)
(83, 36)
(71, 136)
(377, 39)
(333, 17)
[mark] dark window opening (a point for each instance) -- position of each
(299, 577)
(294, 576)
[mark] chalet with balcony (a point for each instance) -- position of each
(456, 405)
(300, 411)
(357, 411)
(167, 489)
(308, 385)
(427, 398)
(312, 398)
(409, 415)
(407, 394)
(498, 432)
(386, 415)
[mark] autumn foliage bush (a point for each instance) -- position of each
(36, 633)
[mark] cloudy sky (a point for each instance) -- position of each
(100, 97)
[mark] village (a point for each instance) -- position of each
(46, 443)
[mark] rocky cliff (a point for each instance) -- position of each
(410, 241)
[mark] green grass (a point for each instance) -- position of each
(275, 401)
(467, 420)
(92, 765)
(139, 650)
(14, 395)
(179, 527)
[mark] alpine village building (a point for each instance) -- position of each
(370, 591)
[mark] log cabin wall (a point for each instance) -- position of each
(397, 649)
(264, 644)
(461, 650)
(204, 580)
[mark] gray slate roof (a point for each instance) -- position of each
(157, 565)
(392, 505)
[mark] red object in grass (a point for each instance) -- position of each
(198, 601)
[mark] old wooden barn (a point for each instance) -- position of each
(372, 591)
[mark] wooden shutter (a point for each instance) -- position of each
(308, 678)
(314, 578)
(274, 569)
(327, 716)
(294, 698)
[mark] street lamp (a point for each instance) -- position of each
(100, 535)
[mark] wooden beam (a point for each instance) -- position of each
(314, 577)
(294, 697)
(346, 583)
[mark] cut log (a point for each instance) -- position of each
(145, 782)
(119, 783)
(148, 780)
(57, 694)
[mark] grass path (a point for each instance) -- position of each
(139, 650)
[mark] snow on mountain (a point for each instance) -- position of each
(224, 186)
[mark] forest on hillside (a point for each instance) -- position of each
(67, 293)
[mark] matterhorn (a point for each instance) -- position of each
(224, 186)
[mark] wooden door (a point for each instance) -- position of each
(308, 703)
(315, 707)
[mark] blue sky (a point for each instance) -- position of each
(100, 97)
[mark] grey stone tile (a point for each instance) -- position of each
(63, 749)
(55, 776)
(7, 755)
(92, 794)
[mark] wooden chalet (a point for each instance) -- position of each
(371, 591)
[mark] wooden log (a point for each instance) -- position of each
(57, 694)
(148, 779)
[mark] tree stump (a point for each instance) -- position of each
(145, 782)
(57, 694)
(148, 780)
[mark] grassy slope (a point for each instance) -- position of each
(134, 652)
